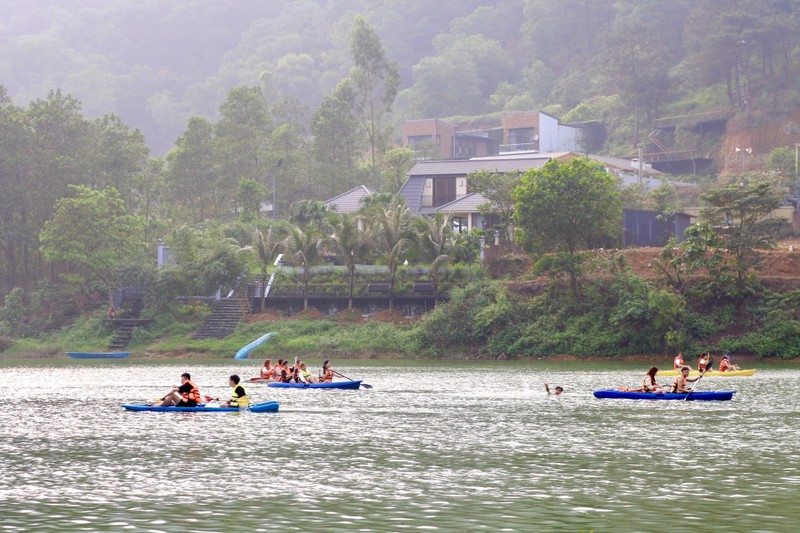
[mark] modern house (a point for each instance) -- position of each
(443, 186)
(515, 132)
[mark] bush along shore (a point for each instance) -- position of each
(615, 314)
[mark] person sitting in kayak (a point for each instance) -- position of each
(288, 373)
(266, 370)
(185, 395)
(238, 394)
(305, 374)
(649, 382)
(705, 362)
(558, 391)
(679, 385)
(726, 365)
(678, 362)
(326, 374)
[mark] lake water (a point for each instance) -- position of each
(433, 446)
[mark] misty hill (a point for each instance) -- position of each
(157, 63)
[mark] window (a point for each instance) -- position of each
(444, 191)
(460, 224)
(415, 139)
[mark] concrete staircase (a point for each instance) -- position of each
(225, 316)
(123, 329)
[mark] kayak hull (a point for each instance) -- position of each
(264, 407)
(98, 355)
(692, 397)
(329, 385)
(715, 373)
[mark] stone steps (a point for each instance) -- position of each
(225, 316)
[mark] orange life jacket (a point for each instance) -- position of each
(725, 365)
(678, 363)
(193, 394)
(702, 364)
(327, 375)
(266, 371)
(679, 384)
(648, 383)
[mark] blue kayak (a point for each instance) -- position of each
(328, 385)
(98, 355)
(265, 407)
(690, 397)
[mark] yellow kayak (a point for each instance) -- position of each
(728, 374)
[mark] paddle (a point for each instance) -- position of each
(366, 386)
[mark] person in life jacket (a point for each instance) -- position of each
(678, 362)
(704, 363)
(288, 373)
(266, 370)
(649, 382)
(185, 395)
(238, 394)
(726, 365)
(679, 385)
(304, 374)
(326, 374)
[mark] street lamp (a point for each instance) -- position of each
(482, 242)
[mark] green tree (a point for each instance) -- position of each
(744, 216)
(498, 188)
(93, 234)
(192, 170)
(351, 244)
(396, 164)
(249, 195)
(564, 207)
(392, 225)
(437, 240)
(337, 140)
(375, 80)
(305, 247)
(266, 247)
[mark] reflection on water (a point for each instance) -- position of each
(461, 448)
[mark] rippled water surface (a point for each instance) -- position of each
(461, 447)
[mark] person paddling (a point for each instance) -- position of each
(326, 374)
(678, 362)
(726, 365)
(185, 395)
(649, 382)
(266, 370)
(705, 363)
(679, 385)
(238, 394)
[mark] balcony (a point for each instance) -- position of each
(519, 147)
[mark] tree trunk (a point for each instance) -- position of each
(305, 288)
(391, 287)
(263, 296)
(352, 271)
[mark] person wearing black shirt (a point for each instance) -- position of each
(238, 394)
(185, 395)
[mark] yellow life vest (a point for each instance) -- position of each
(239, 401)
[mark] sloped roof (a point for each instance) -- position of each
(462, 167)
(465, 204)
(350, 201)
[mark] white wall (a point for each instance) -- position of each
(555, 137)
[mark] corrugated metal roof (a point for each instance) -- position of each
(462, 167)
(350, 201)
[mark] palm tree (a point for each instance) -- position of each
(267, 247)
(305, 246)
(436, 238)
(350, 244)
(392, 226)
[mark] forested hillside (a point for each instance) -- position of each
(157, 63)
